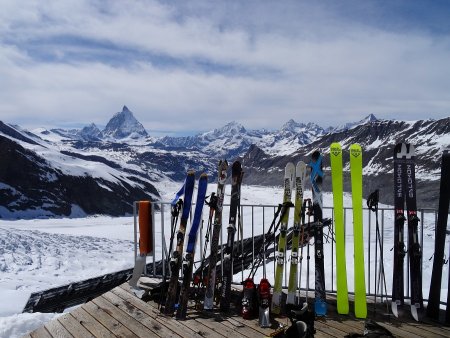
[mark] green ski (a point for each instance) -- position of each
(356, 179)
(300, 176)
(289, 174)
(339, 228)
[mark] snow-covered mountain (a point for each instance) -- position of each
(90, 133)
(233, 139)
(377, 138)
(368, 119)
(39, 178)
(124, 124)
(77, 172)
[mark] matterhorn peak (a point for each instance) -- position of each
(124, 124)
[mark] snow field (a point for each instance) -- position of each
(44, 253)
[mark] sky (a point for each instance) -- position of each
(187, 66)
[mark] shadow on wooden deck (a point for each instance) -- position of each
(119, 313)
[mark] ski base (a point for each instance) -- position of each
(320, 307)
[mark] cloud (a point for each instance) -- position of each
(195, 66)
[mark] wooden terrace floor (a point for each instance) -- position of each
(119, 313)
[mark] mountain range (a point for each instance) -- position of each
(86, 171)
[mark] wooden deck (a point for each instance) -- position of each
(119, 313)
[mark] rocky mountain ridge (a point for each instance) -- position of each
(47, 172)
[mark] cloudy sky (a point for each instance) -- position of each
(187, 66)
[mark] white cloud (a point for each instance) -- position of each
(191, 68)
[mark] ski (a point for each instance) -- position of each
(316, 177)
(356, 183)
(440, 235)
(399, 245)
(289, 174)
(217, 226)
(339, 227)
(175, 262)
(227, 278)
(300, 175)
(190, 248)
(414, 249)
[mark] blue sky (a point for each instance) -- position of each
(184, 66)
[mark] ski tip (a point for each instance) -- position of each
(138, 292)
(394, 309)
(417, 312)
(320, 308)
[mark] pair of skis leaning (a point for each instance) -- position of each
(294, 177)
(405, 192)
(234, 216)
(176, 258)
(190, 250)
(359, 269)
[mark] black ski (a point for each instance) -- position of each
(399, 245)
(414, 249)
(236, 179)
(320, 305)
(440, 235)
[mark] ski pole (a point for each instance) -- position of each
(263, 247)
(282, 208)
(212, 203)
(372, 204)
(175, 211)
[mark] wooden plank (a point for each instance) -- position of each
(201, 329)
(112, 324)
(227, 328)
(197, 327)
(398, 330)
(169, 322)
(91, 324)
(323, 326)
(236, 326)
(412, 331)
(255, 325)
(432, 330)
(125, 319)
(140, 316)
(74, 327)
(40, 332)
(57, 330)
(26, 336)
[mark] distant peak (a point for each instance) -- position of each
(370, 118)
(124, 124)
(291, 125)
(232, 127)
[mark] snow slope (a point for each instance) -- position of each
(45, 253)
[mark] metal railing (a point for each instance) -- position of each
(255, 220)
